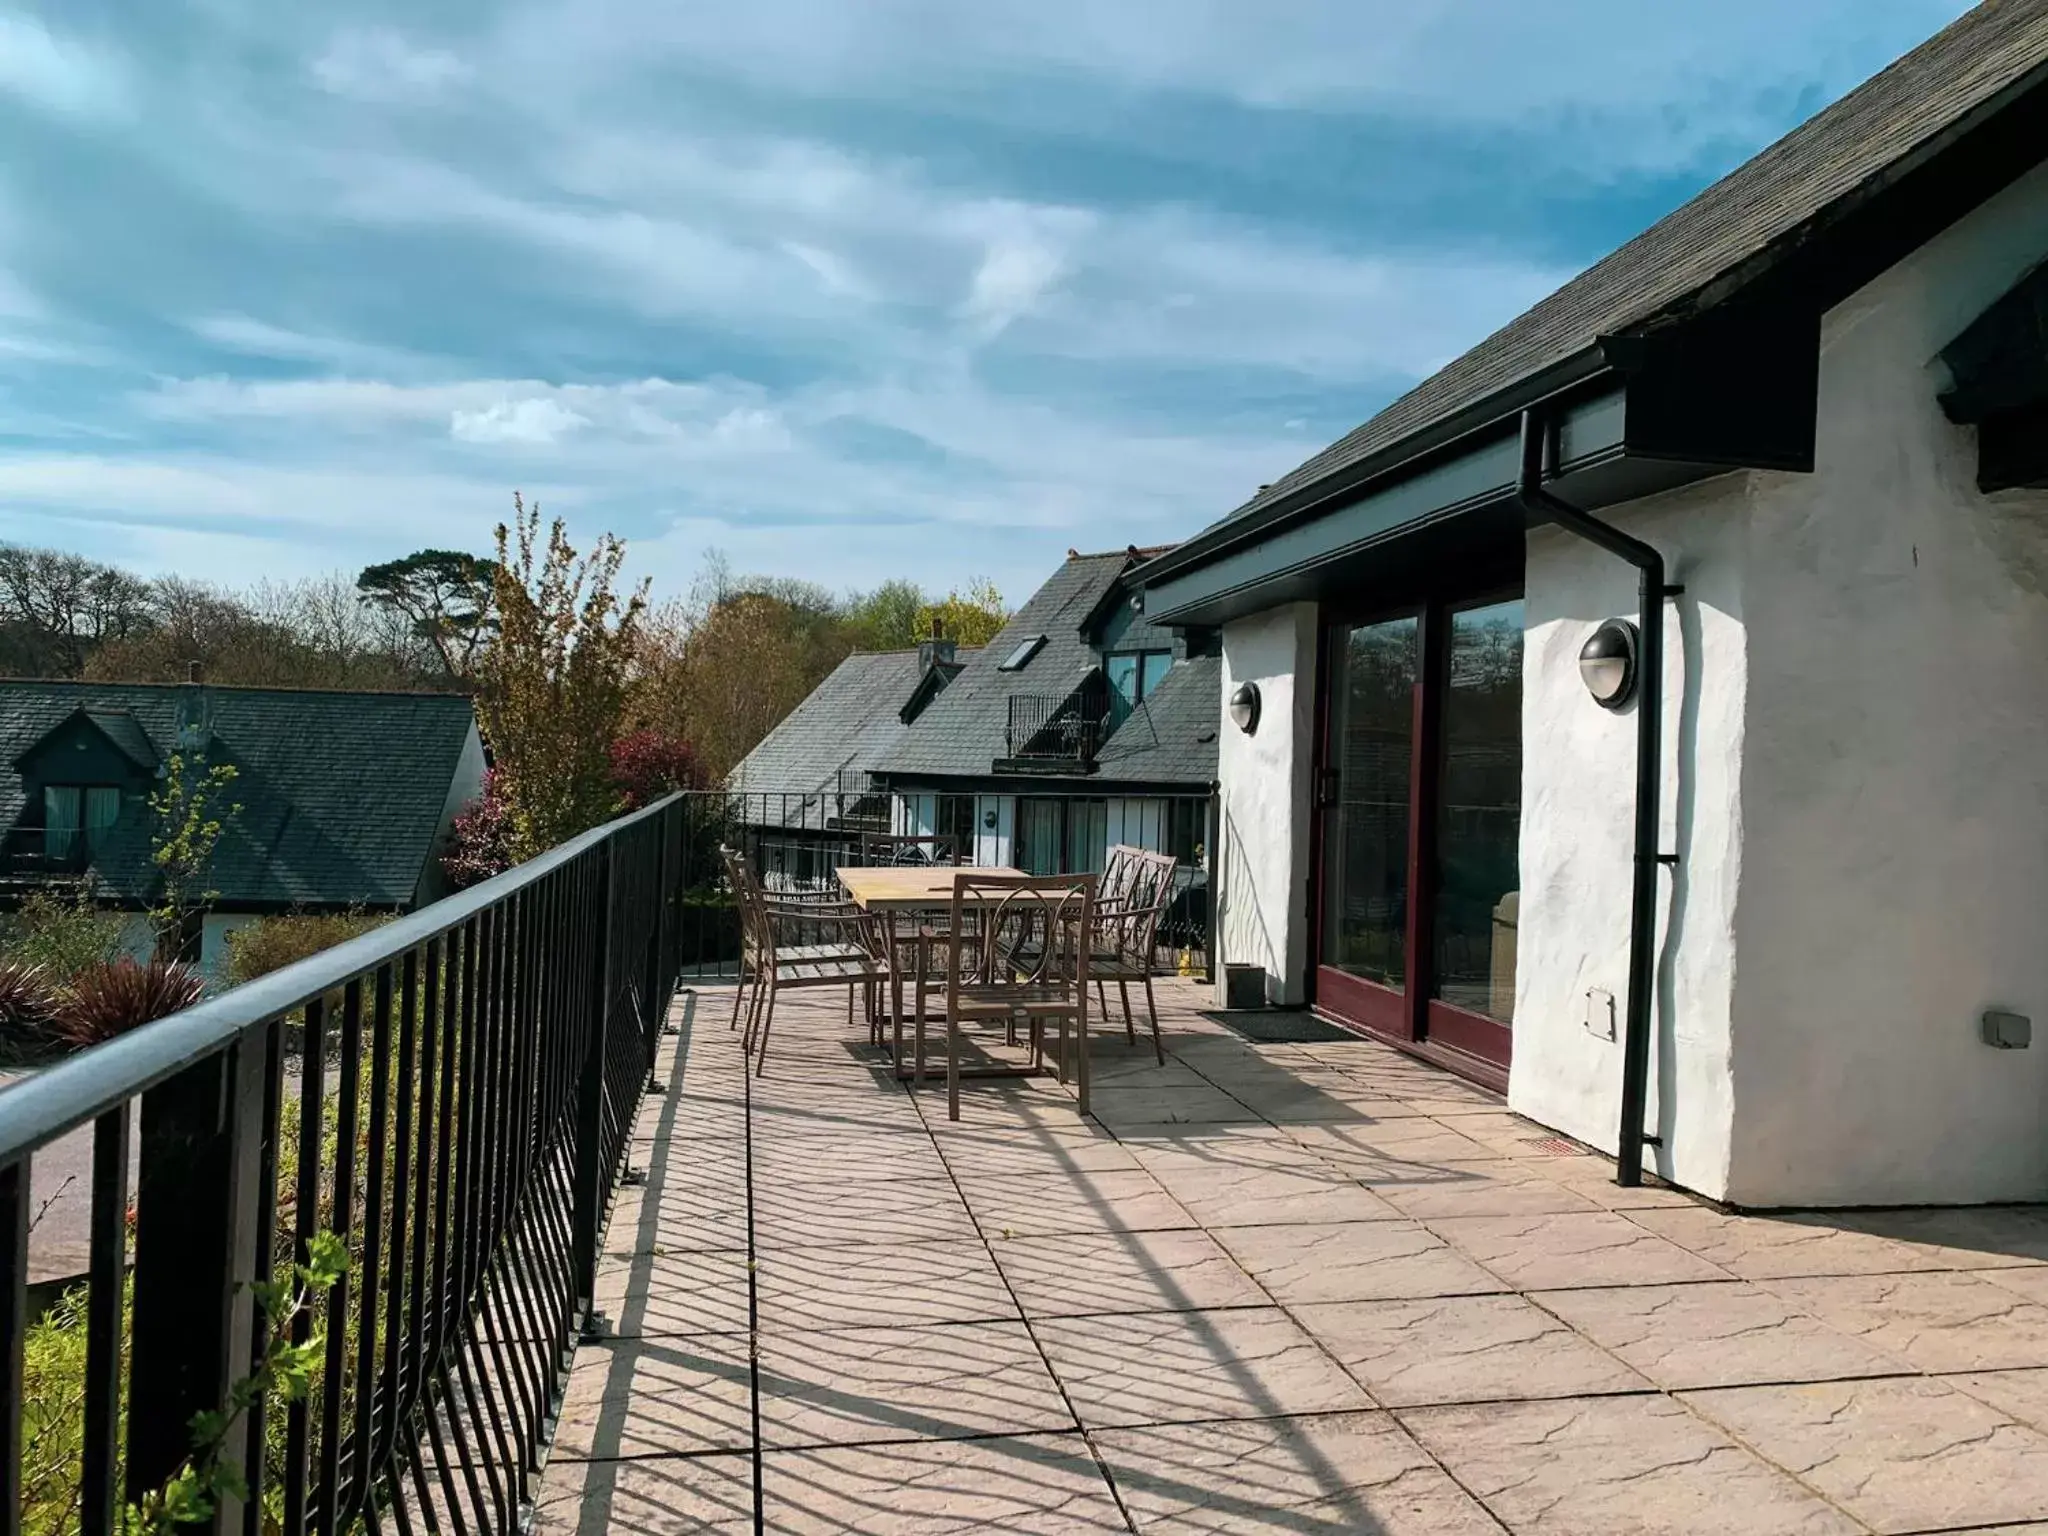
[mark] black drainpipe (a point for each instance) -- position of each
(1642, 923)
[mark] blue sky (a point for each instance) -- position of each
(844, 288)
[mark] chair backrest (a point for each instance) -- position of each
(1130, 928)
(1026, 931)
(1119, 870)
(912, 849)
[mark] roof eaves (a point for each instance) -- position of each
(1410, 454)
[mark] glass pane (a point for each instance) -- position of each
(61, 811)
(1365, 896)
(102, 807)
(1123, 677)
(1087, 836)
(1479, 833)
(1038, 837)
(1155, 667)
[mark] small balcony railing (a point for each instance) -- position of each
(1060, 733)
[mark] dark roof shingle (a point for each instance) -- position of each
(963, 732)
(342, 794)
(840, 731)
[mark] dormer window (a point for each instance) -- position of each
(77, 816)
(1019, 658)
(1136, 675)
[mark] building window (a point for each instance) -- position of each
(76, 815)
(1026, 648)
(1135, 676)
(953, 822)
(1059, 836)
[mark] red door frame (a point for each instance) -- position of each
(1470, 1044)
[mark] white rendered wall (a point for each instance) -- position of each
(1578, 837)
(1895, 783)
(1263, 855)
(1855, 777)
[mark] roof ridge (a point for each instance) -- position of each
(360, 693)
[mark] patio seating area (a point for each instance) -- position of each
(1263, 1287)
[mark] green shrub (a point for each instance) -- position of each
(272, 943)
(62, 933)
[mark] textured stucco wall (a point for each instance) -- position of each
(1855, 774)
(1578, 836)
(1895, 782)
(1263, 858)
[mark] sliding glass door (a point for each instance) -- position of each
(1421, 787)
(1368, 823)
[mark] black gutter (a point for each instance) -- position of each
(1642, 927)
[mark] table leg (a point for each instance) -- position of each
(923, 970)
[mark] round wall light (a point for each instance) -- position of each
(1607, 661)
(988, 819)
(1244, 708)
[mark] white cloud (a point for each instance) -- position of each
(538, 421)
(59, 74)
(337, 354)
(378, 65)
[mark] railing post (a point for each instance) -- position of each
(654, 988)
(590, 1169)
(195, 1246)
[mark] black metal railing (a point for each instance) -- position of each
(799, 842)
(1057, 731)
(27, 852)
(452, 1096)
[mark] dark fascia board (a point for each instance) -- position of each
(1357, 480)
(1479, 478)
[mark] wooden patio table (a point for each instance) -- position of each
(918, 892)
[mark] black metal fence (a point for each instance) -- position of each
(452, 1096)
(799, 843)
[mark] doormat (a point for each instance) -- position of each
(1281, 1027)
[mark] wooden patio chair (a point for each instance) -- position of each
(1126, 939)
(1017, 954)
(798, 945)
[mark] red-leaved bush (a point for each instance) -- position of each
(110, 999)
(480, 841)
(27, 1004)
(649, 764)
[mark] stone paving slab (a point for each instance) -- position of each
(1617, 1466)
(1047, 1484)
(1900, 1454)
(1296, 1288)
(1167, 1367)
(1082, 1273)
(1352, 1472)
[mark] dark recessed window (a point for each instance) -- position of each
(1026, 649)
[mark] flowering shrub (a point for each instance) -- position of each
(480, 842)
(648, 764)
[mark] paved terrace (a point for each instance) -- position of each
(1292, 1288)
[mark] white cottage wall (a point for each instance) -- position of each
(1265, 813)
(1895, 782)
(1578, 837)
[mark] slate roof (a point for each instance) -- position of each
(341, 793)
(830, 742)
(1772, 203)
(963, 731)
